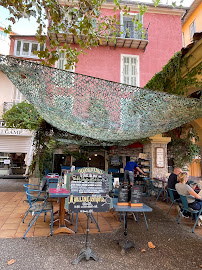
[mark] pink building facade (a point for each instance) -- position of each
(110, 61)
(164, 39)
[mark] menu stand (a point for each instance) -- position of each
(125, 243)
(86, 252)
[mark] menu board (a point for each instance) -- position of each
(89, 183)
(89, 188)
(90, 203)
(136, 196)
(123, 195)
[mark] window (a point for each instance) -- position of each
(129, 25)
(63, 79)
(62, 62)
(17, 97)
(3, 36)
(26, 48)
(192, 29)
(130, 69)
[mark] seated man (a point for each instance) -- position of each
(172, 180)
(129, 172)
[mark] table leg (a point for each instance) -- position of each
(125, 244)
(62, 226)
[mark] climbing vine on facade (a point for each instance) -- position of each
(170, 78)
(183, 148)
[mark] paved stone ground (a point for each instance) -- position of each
(176, 248)
(12, 185)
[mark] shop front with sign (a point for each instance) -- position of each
(15, 149)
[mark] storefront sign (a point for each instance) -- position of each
(13, 131)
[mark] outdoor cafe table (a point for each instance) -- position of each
(125, 209)
(60, 193)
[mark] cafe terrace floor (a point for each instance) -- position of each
(13, 207)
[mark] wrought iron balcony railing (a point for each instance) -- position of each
(119, 36)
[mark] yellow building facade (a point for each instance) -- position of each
(192, 22)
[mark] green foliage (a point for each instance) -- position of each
(170, 79)
(22, 115)
(83, 19)
(77, 155)
(182, 147)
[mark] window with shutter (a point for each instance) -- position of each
(62, 79)
(192, 29)
(62, 62)
(17, 97)
(130, 69)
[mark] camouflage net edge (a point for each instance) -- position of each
(93, 111)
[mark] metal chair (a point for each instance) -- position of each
(185, 207)
(157, 190)
(36, 208)
(35, 199)
(173, 200)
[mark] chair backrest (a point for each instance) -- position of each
(30, 187)
(184, 202)
(33, 195)
(170, 191)
(152, 184)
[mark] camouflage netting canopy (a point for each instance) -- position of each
(91, 111)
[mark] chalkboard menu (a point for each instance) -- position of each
(123, 198)
(89, 188)
(89, 183)
(89, 203)
(136, 196)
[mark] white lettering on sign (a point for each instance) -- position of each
(160, 157)
(12, 131)
(87, 170)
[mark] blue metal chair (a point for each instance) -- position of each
(173, 200)
(35, 199)
(185, 207)
(157, 190)
(36, 208)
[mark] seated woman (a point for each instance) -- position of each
(194, 200)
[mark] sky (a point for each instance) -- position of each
(28, 27)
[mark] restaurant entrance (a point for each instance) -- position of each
(97, 161)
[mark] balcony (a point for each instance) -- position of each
(121, 37)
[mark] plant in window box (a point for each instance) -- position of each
(128, 34)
